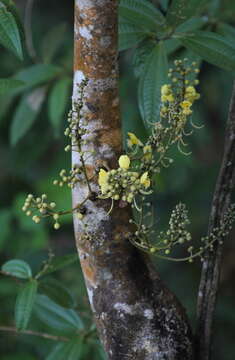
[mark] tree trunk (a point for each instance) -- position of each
(136, 316)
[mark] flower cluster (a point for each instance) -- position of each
(177, 99)
(39, 207)
(167, 96)
(133, 180)
(123, 183)
(177, 234)
(69, 179)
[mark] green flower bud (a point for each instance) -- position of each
(56, 226)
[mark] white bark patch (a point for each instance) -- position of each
(78, 78)
(94, 214)
(106, 151)
(105, 41)
(85, 32)
(106, 274)
(88, 4)
(200, 294)
(148, 313)
(90, 293)
(125, 308)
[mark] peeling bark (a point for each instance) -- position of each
(136, 316)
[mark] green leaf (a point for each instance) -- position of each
(129, 36)
(10, 6)
(182, 10)
(211, 47)
(72, 350)
(9, 84)
(102, 355)
(59, 262)
(226, 30)
(192, 24)
(140, 55)
(9, 33)
(56, 316)
(141, 13)
(57, 101)
(52, 41)
(26, 114)
(36, 75)
(24, 304)
(153, 77)
(18, 268)
(171, 45)
(56, 292)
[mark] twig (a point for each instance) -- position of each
(210, 274)
(15, 278)
(28, 29)
(34, 333)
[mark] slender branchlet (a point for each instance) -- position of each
(134, 178)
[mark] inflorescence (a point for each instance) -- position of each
(133, 180)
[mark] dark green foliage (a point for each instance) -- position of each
(24, 304)
(17, 268)
(9, 31)
(182, 18)
(156, 36)
(56, 316)
(154, 75)
(72, 350)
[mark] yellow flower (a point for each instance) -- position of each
(165, 89)
(147, 152)
(164, 98)
(186, 107)
(190, 89)
(133, 140)
(170, 98)
(191, 94)
(103, 180)
(144, 180)
(124, 162)
(187, 111)
(186, 104)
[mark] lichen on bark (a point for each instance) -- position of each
(136, 315)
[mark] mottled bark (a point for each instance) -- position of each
(211, 267)
(136, 316)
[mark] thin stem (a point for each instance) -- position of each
(28, 29)
(34, 333)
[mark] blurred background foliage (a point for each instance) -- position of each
(31, 155)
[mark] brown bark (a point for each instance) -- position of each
(211, 267)
(136, 316)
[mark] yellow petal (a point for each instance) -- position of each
(170, 98)
(103, 180)
(190, 89)
(144, 180)
(165, 89)
(185, 104)
(124, 162)
(133, 140)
